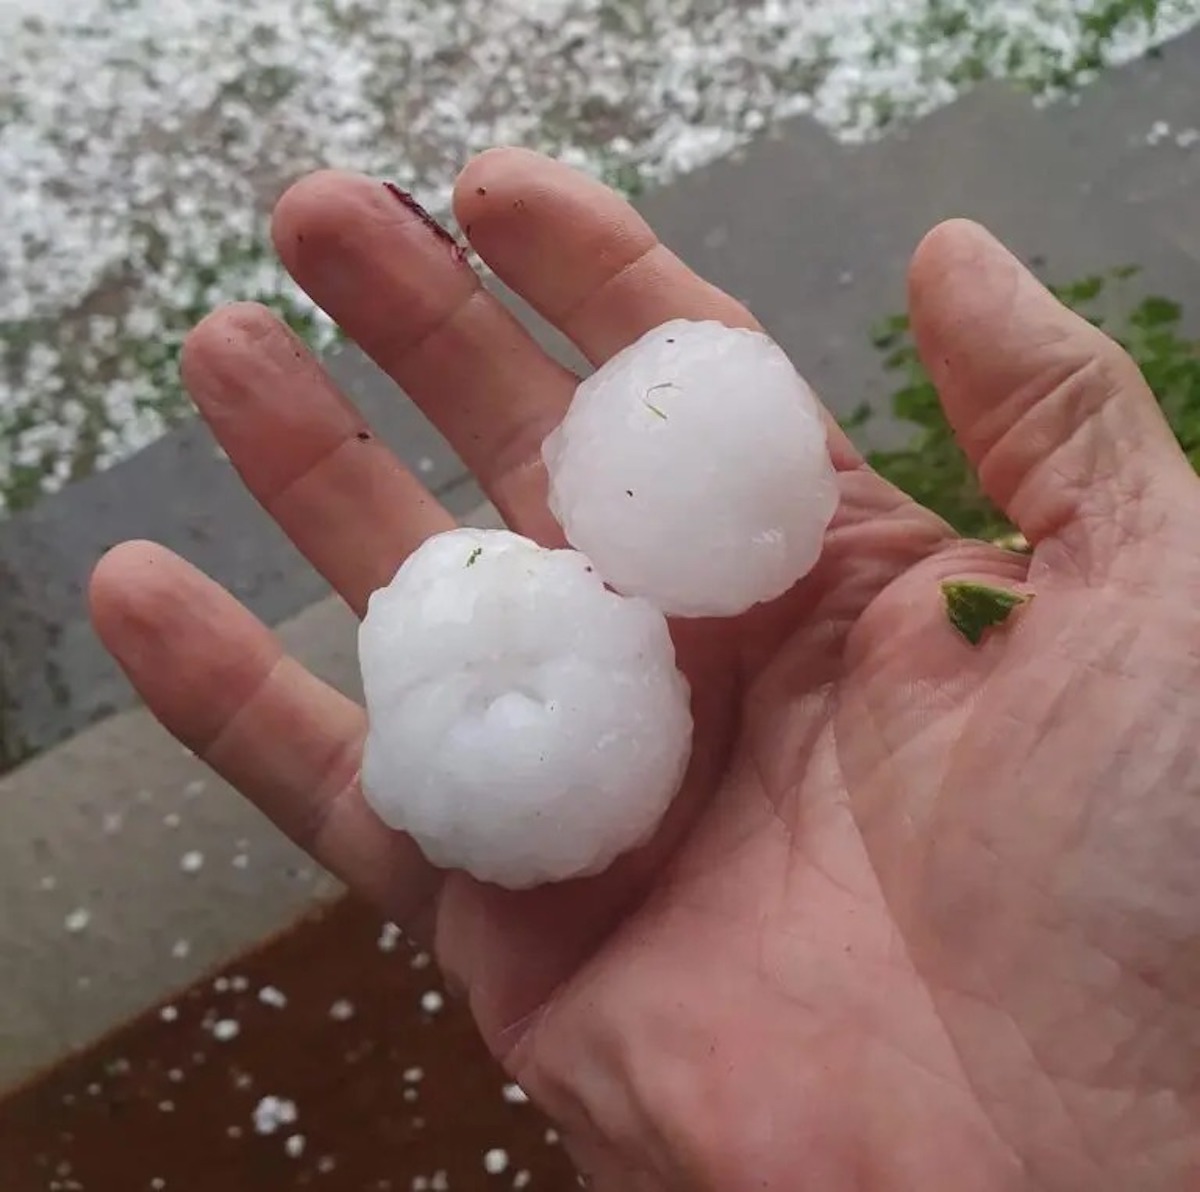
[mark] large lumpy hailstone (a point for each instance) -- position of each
(693, 469)
(526, 724)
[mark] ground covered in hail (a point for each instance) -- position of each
(142, 142)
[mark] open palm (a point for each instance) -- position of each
(924, 915)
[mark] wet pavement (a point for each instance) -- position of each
(331, 1058)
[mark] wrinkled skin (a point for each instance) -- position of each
(925, 915)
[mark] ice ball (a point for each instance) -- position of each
(526, 723)
(693, 469)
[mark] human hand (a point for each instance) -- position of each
(924, 915)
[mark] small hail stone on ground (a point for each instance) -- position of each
(425, 465)
(1159, 131)
(226, 1030)
(342, 1010)
(552, 1137)
(421, 960)
(168, 1014)
(522, 1179)
(294, 1146)
(389, 937)
(270, 996)
(166, 1107)
(157, 1184)
(272, 1112)
(514, 1094)
(181, 949)
(414, 1075)
(194, 788)
(325, 1164)
(77, 921)
(241, 861)
(411, 1095)
(432, 1002)
(112, 823)
(495, 1162)
(221, 985)
(48, 883)
(172, 819)
(192, 862)
(175, 1075)
(239, 984)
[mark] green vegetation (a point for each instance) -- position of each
(973, 609)
(932, 468)
(966, 45)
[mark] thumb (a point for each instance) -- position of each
(1063, 431)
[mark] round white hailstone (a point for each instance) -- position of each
(693, 469)
(527, 724)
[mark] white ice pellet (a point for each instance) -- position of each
(270, 996)
(341, 1010)
(226, 1030)
(526, 724)
(192, 862)
(272, 1112)
(693, 470)
(432, 1002)
(495, 1161)
(77, 921)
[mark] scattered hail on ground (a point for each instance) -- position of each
(141, 142)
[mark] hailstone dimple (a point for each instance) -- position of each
(526, 723)
(693, 469)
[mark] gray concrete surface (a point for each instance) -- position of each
(814, 237)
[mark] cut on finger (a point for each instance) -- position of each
(402, 289)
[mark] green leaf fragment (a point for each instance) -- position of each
(973, 609)
(474, 558)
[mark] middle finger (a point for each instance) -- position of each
(400, 287)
